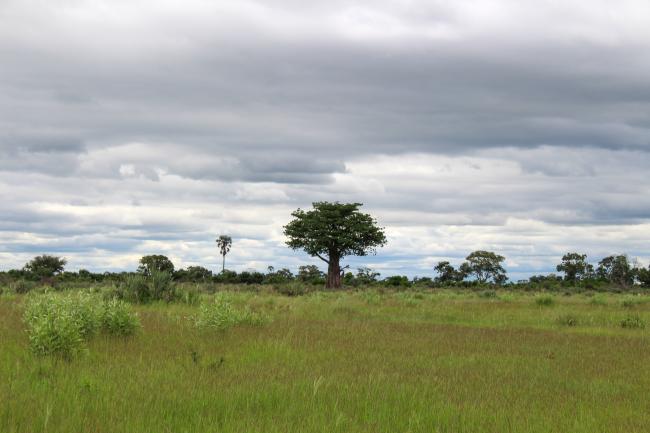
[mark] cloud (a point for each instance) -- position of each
(141, 125)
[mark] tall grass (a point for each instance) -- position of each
(333, 362)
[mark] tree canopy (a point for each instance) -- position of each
(45, 266)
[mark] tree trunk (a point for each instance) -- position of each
(333, 273)
(223, 264)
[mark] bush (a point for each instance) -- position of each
(221, 315)
(60, 325)
(632, 322)
(21, 286)
(568, 320)
(118, 319)
(140, 288)
(545, 300)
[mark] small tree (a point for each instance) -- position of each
(575, 267)
(331, 231)
(224, 242)
(485, 266)
(45, 266)
(155, 263)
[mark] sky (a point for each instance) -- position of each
(134, 127)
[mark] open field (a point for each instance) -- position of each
(440, 361)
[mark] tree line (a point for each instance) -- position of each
(332, 231)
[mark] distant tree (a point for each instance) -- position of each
(331, 231)
(280, 276)
(45, 266)
(575, 267)
(310, 273)
(366, 276)
(447, 273)
(550, 278)
(617, 270)
(643, 276)
(194, 274)
(485, 266)
(155, 262)
(224, 243)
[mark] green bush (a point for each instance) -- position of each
(118, 319)
(141, 288)
(545, 300)
(60, 325)
(632, 322)
(221, 315)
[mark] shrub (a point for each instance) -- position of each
(21, 286)
(221, 315)
(144, 288)
(118, 319)
(162, 286)
(60, 325)
(568, 320)
(632, 322)
(545, 300)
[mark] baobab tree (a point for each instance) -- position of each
(224, 242)
(332, 231)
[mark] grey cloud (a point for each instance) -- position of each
(260, 107)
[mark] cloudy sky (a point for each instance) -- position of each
(132, 127)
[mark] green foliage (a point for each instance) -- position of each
(311, 274)
(117, 318)
(334, 227)
(21, 286)
(334, 230)
(545, 300)
(575, 267)
(155, 263)
(224, 243)
(221, 315)
(60, 325)
(484, 266)
(53, 326)
(141, 288)
(632, 322)
(616, 270)
(45, 266)
(447, 273)
(398, 281)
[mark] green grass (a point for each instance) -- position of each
(343, 362)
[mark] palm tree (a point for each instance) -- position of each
(224, 242)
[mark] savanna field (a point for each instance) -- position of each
(363, 361)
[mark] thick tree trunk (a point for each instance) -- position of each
(333, 273)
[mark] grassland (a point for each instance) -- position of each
(439, 361)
